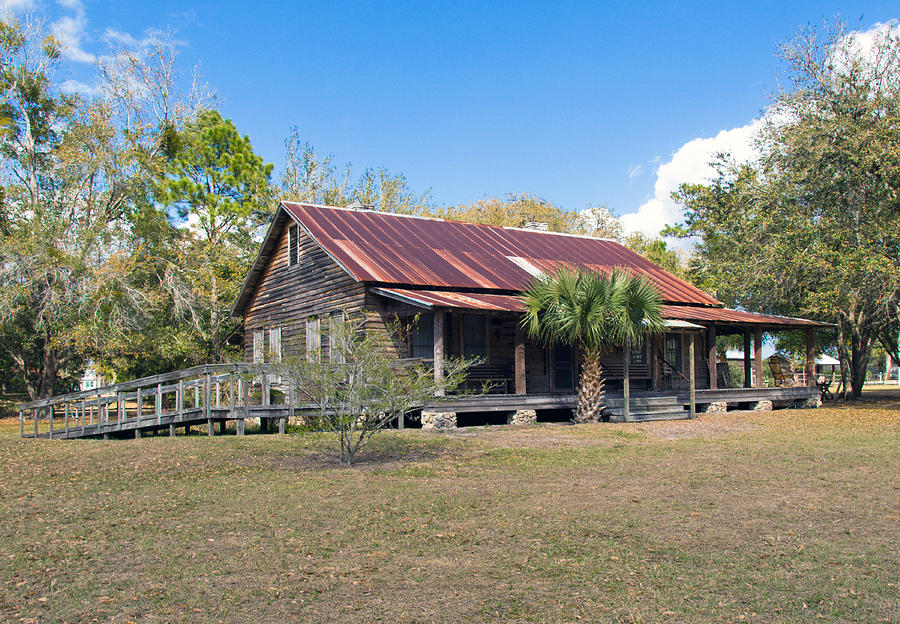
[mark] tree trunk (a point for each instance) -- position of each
(214, 316)
(843, 356)
(860, 351)
(589, 405)
(49, 370)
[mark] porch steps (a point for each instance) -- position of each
(643, 408)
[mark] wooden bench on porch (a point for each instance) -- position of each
(496, 377)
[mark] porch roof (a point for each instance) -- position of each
(728, 316)
(430, 299)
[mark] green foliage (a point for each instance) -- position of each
(515, 210)
(360, 389)
(217, 179)
(590, 310)
(593, 312)
(813, 228)
(313, 178)
(657, 251)
(221, 187)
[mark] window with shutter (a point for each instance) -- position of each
(293, 245)
(259, 346)
(313, 339)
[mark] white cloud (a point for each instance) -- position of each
(70, 30)
(11, 7)
(862, 45)
(152, 36)
(689, 164)
(635, 172)
(76, 86)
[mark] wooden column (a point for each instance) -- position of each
(179, 398)
(207, 411)
(21, 424)
(290, 407)
(438, 327)
(811, 358)
(654, 362)
(520, 360)
(158, 404)
(747, 366)
(693, 378)
(626, 382)
(67, 419)
(757, 357)
(51, 423)
(713, 374)
(239, 425)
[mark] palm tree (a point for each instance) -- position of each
(593, 312)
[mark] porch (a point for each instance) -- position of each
(668, 376)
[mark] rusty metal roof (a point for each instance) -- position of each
(463, 301)
(426, 252)
(736, 317)
(509, 303)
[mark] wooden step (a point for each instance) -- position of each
(652, 409)
(642, 401)
(683, 415)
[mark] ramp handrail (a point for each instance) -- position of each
(141, 402)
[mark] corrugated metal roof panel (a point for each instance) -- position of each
(462, 301)
(421, 251)
(736, 317)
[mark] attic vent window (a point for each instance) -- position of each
(539, 226)
(293, 246)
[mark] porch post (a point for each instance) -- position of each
(438, 330)
(810, 358)
(757, 357)
(747, 368)
(520, 360)
(654, 362)
(693, 378)
(626, 373)
(713, 374)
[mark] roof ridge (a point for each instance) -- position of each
(443, 220)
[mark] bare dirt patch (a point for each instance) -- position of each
(703, 426)
(543, 435)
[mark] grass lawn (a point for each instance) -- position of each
(790, 516)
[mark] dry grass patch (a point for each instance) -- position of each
(790, 516)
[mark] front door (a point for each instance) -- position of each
(563, 369)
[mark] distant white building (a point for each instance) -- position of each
(91, 378)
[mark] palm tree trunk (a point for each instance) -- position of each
(589, 405)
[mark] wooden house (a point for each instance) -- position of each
(462, 280)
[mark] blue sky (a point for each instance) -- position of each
(575, 102)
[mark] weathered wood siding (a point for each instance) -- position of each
(673, 381)
(383, 314)
(287, 296)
